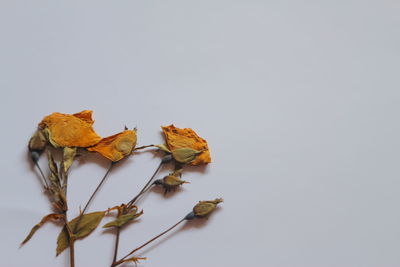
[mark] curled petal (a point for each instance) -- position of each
(117, 146)
(187, 138)
(65, 130)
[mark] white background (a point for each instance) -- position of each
(299, 101)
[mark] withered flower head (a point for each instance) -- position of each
(204, 208)
(117, 146)
(170, 182)
(186, 146)
(65, 130)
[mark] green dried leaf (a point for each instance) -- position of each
(68, 158)
(86, 225)
(45, 219)
(185, 155)
(122, 220)
(53, 170)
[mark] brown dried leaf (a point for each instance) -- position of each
(86, 225)
(45, 219)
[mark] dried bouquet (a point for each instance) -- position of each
(65, 136)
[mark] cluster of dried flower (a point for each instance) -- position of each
(70, 135)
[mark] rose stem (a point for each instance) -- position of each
(142, 147)
(148, 242)
(132, 202)
(93, 194)
(44, 182)
(71, 241)
(116, 244)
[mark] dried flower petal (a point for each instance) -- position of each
(65, 130)
(117, 146)
(177, 138)
(204, 208)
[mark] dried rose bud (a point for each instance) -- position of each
(170, 183)
(38, 141)
(204, 208)
(37, 144)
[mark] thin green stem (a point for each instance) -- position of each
(116, 244)
(145, 187)
(97, 188)
(142, 147)
(148, 242)
(44, 181)
(92, 196)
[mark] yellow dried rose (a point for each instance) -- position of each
(65, 130)
(117, 146)
(179, 139)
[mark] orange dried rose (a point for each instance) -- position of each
(117, 146)
(187, 138)
(65, 130)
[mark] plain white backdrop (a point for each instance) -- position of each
(299, 101)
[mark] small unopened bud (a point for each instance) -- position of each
(38, 141)
(205, 208)
(170, 183)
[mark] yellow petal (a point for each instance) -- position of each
(67, 130)
(117, 146)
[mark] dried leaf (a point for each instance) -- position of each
(45, 219)
(65, 130)
(68, 158)
(204, 208)
(86, 225)
(53, 170)
(179, 138)
(123, 219)
(117, 146)
(185, 155)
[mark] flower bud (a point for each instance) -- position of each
(170, 183)
(204, 208)
(37, 142)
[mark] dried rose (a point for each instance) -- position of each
(117, 146)
(186, 146)
(65, 130)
